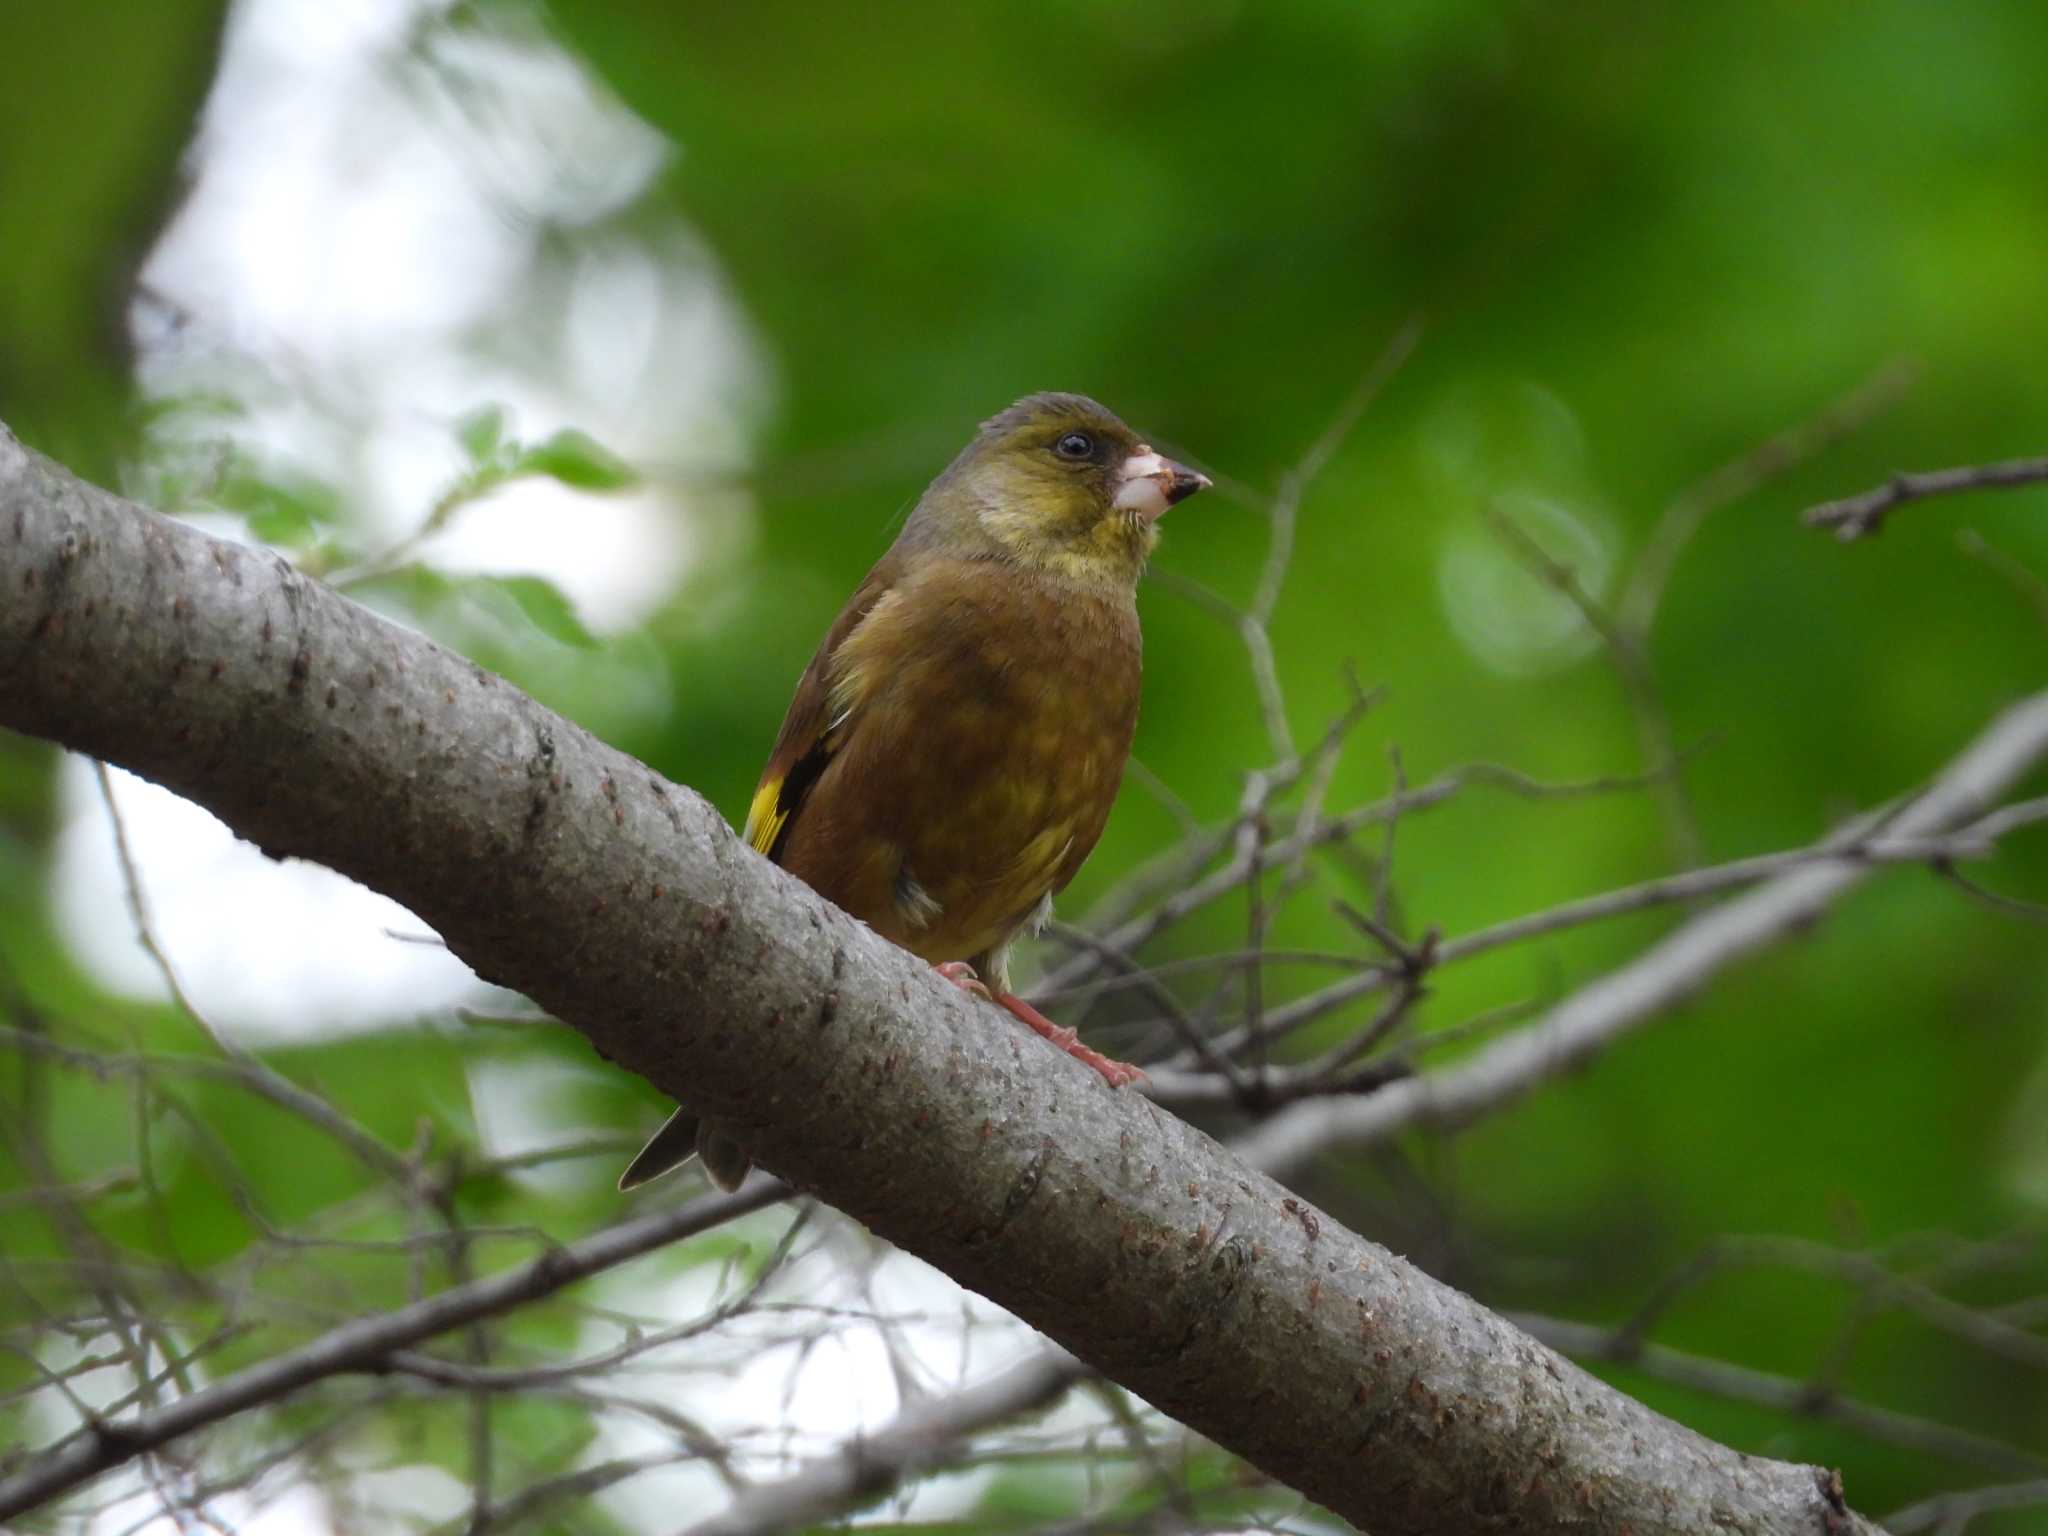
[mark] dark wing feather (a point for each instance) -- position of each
(810, 732)
(809, 737)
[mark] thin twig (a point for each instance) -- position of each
(1860, 843)
(1597, 1015)
(1252, 622)
(1132, 933)
(249, 1073)
(1643, 593)
(921, 1437)
(1693, 884)
(1383, 876)
(2021, 578)
(1148, 984)
(1871, 1277)
(1952, 1513)
(1182, 813)
(365, 1344)
(1252, 832)
(1854, 517)
(1629, 656)
(1997, 901)
(1738, 1383)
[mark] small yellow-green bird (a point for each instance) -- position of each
(954, 747)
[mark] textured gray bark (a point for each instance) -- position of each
(623, 904)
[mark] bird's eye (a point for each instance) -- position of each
(1075, 445)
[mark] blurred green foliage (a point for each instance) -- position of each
(1645, 239)
(97, 105)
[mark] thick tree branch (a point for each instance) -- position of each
(626, 907)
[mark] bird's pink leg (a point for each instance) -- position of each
(1115, 1073)
(961, 974)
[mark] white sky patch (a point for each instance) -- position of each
(393, 222)
(269, 952)
(777, 1403)
(774, 1400)
(324, 219)
(124, 1499)
(279, 1507)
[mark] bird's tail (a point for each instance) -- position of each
(685, 1136)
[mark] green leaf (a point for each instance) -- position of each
(284, 511)
(482, 432)
(427, 592)
(578, 459)
(548, 607)
(547, 1434)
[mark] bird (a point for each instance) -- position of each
(953, 749)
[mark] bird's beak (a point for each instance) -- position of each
(1149, 483)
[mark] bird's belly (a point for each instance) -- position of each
(1001, 836)
(990, 737)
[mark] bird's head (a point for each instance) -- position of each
(1058, 483)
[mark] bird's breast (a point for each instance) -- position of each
(999, 714)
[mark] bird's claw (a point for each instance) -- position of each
(961, 974)
(1118, 1074)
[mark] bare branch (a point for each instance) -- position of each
(1739, 1383)
(1883, 1286)
(1283, 509)
(244, 1071)
(516, 1512)
(1853, 517)
(1953, 1513)
(2023, 580)
(1150, 986)
(369, 1343)
(1287, 503)
(1860, 842)
(1970, 843)
(1997, 901)
(1665, 975)
(1627, 652)
(1258, 644)
(1190, 894)
(924, 1436)
(1691, 507)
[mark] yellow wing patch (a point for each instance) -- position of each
(764, 820)
(848, 679)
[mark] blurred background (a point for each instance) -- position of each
(607, 341)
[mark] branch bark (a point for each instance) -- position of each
(625, 906)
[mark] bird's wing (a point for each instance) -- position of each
(817, 723)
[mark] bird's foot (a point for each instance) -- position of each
(961, 974)
(1116, 1073)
